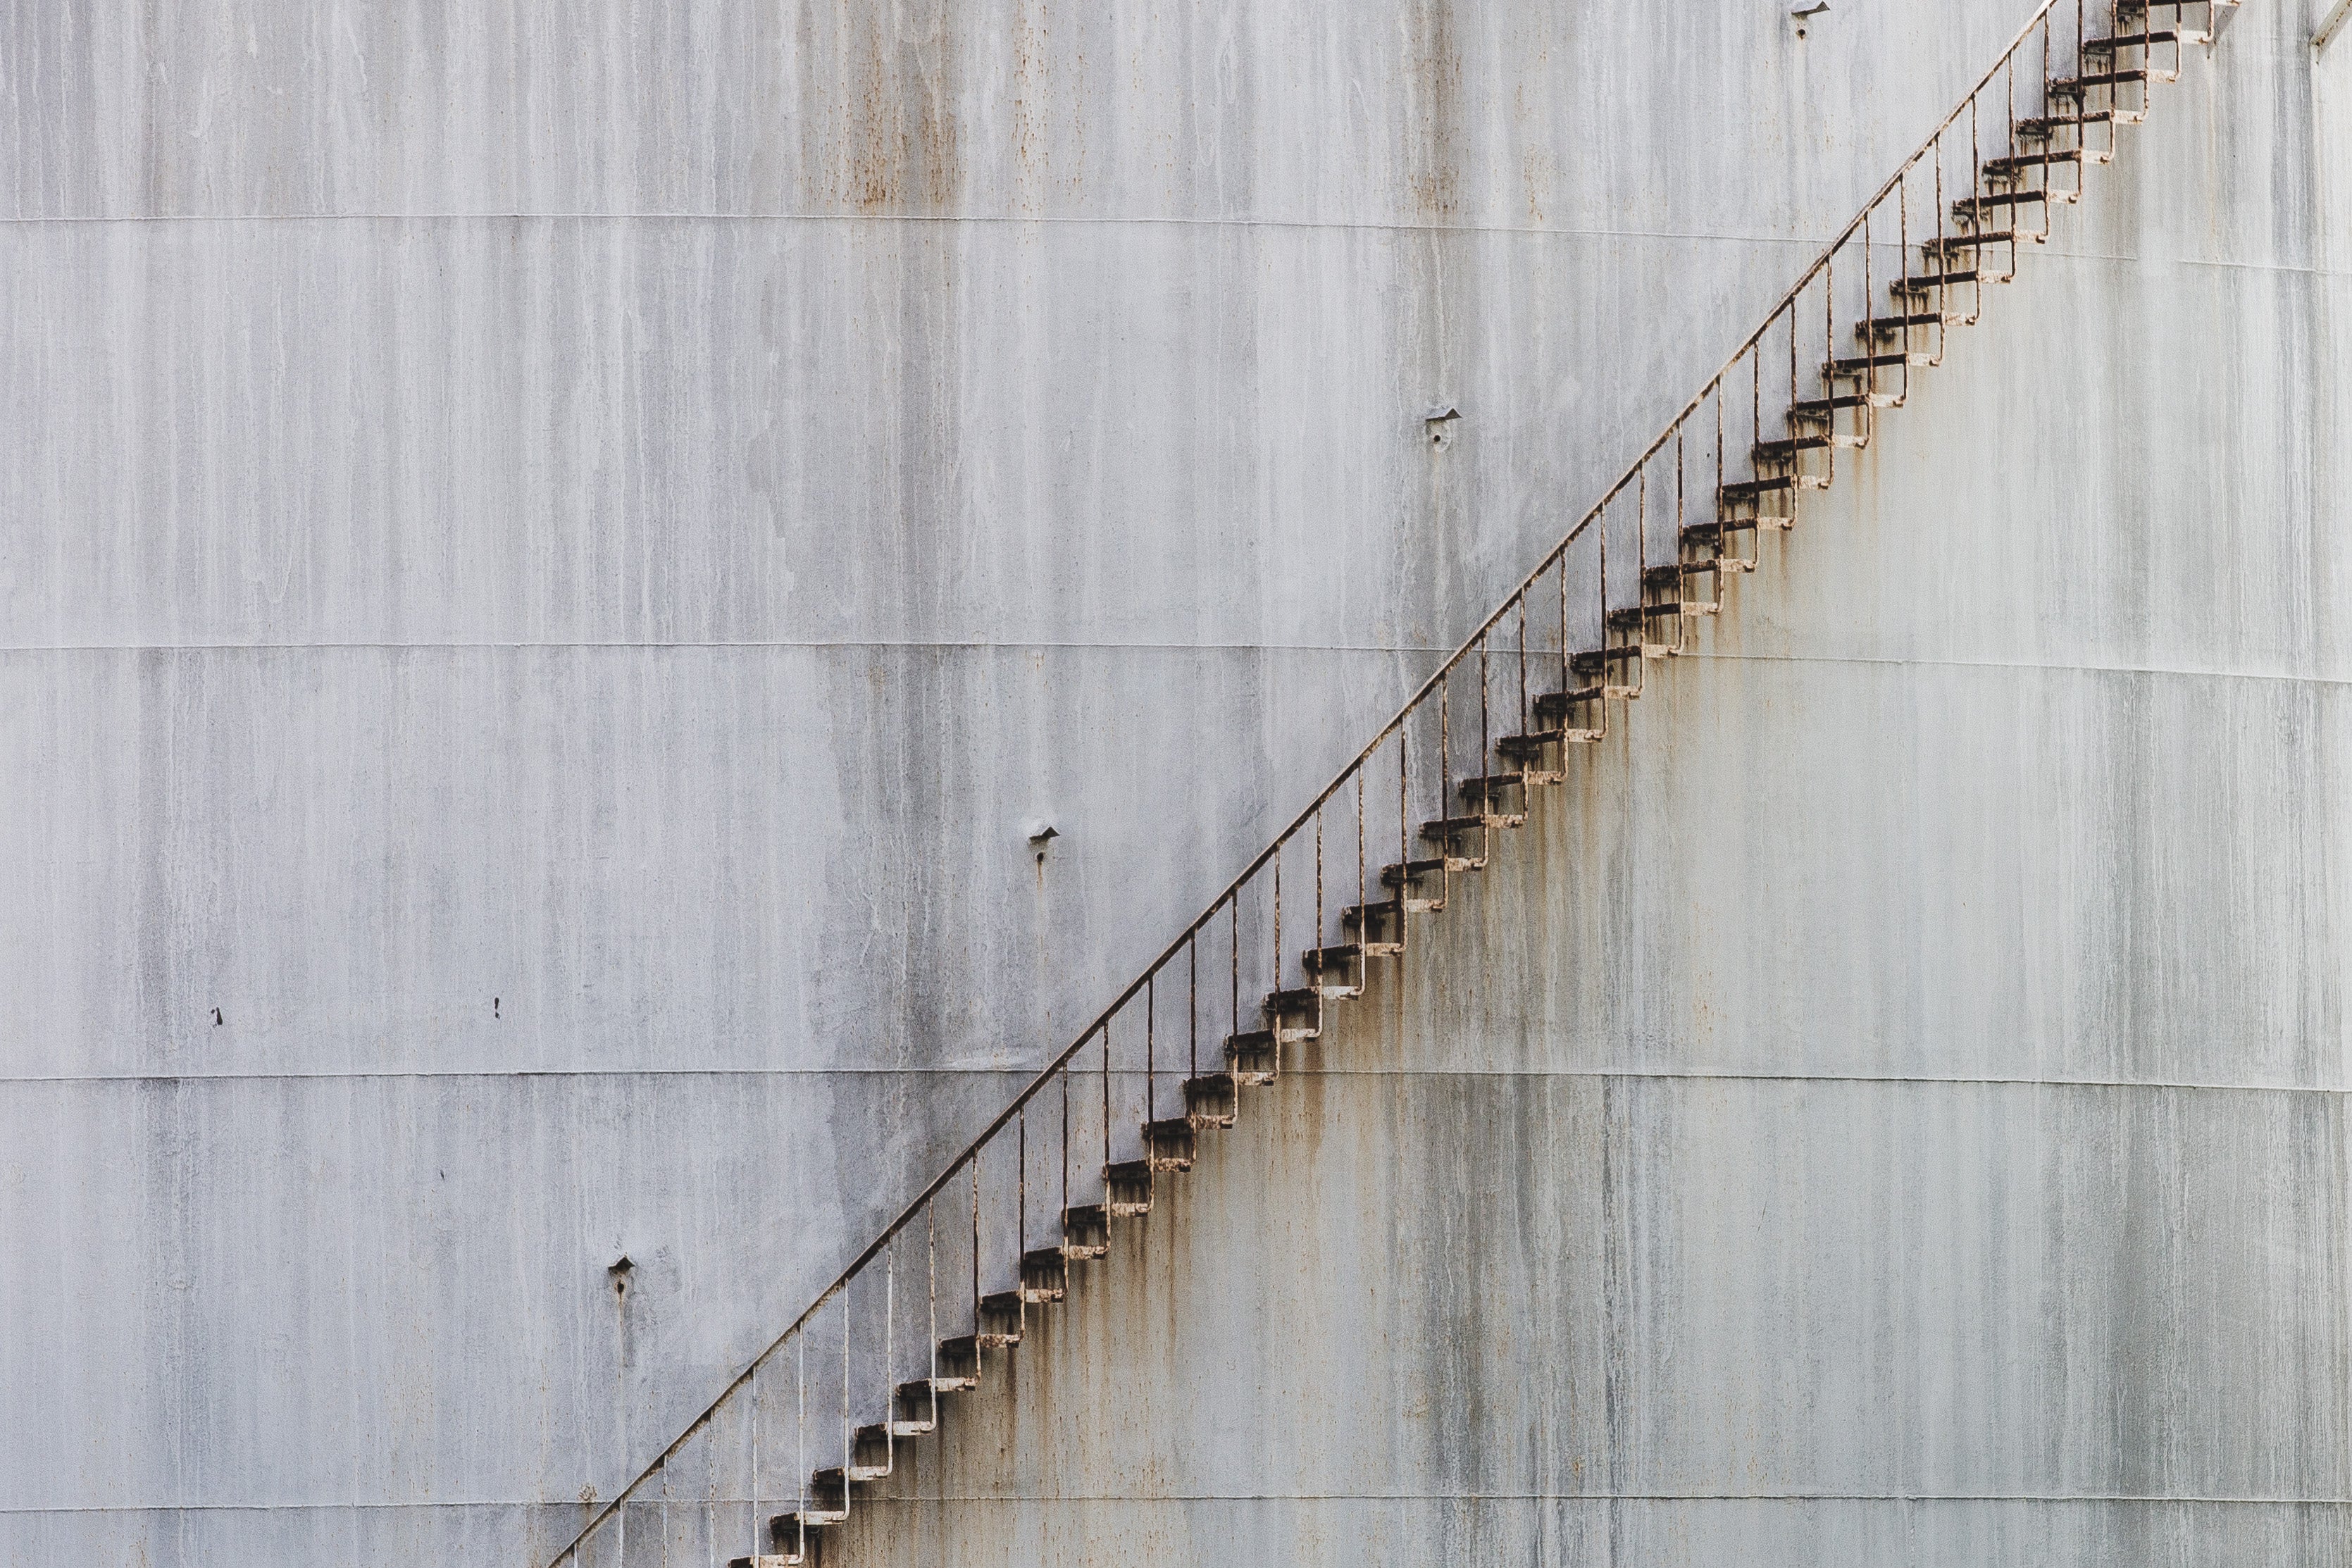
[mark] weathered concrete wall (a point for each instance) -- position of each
(628, 515)
(1888, 1106)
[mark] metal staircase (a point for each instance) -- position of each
(995, 1239)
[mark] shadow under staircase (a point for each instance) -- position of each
(960, 1273)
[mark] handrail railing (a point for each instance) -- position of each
(1590, 679)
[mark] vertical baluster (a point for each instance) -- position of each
(1444, 770)
(1482, 705)
(1976, 187)
(1604, 595)
(1902, 251)
(1680, 520)
(1523, 661)
(1870, 370)
(1567, 675)
(1237, 974)
(1721, 533)
(931, 1284)
(1277, 944)
(1405, 809)
(1755, 411)
(799, 1432)
(752, 1489)
(1363, 898)
(1106, 1090)
(1829, 346)
(1192, 1010)
(1943, 328)
(1642, 530)
(849, 1428)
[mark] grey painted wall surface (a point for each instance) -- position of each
(630, 514)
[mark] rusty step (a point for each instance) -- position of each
(1295, 1013)
(1450, 831)
(915, 1408)
(1684, 607)
(2042, 127)
(1533, 744)
(1086, 1232)
(1952, 242)
(1597, 660)
(1552, 707)
(828, 1499)
(2076, 86)
(1749, 489)
(959, 1365)
(792, 1541)
(1337, 970)
(1044, 1275)
(1820, 410)
(1929, 282)
(1211, 1099)
(871, 1449)
(1849, 365)
(1414, 880)
(1253, 1058)
(1499, 796)
(2128, 41)
(1379, 927)
(1000, 1319)
(1127, 1188)
(1787, 449)
(1169, 1144)
(1967, 208)
(2018, 163)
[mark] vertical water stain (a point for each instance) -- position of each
(896, 144)
(1433, 110)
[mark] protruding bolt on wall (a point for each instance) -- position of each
(1439, 420)
(2337, 15)
(1805, 14)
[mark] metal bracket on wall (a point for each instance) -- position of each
(2337, 15)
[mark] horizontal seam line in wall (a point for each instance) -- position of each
(684, 1503)
(974, 646)
(1137, 1072)
(983, 220)
(1017, 647)
(2283, 677)
(1013, 220)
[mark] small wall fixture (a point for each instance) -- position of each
(2338, 16)
(1805, 13)
(1439, 420)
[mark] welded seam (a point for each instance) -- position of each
(2052, 667)
(2060, 1498)
(976, 220)
(2046, 667)
(919, 643)
(1625, 1074)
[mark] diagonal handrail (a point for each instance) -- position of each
(1635, 477)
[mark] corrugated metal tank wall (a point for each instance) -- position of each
(550, 558)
